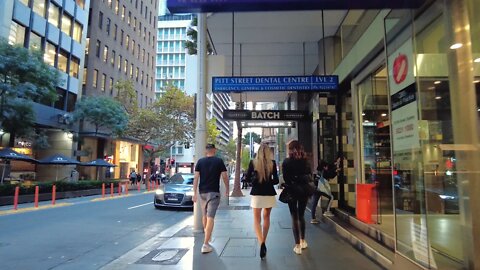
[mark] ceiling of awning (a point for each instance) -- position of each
(282, 43)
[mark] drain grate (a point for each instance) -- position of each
(163, 256)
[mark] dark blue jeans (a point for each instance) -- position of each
(315, 198)
(297, 211)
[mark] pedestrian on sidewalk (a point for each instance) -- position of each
(133, 177)
(206, 188)
(262, 173)
(296, 168)
(325, 172)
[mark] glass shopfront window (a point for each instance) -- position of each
(375, 145)
(434, 107)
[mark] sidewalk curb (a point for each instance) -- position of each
(110, 198)
(30, 209)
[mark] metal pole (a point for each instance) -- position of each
(201, 131)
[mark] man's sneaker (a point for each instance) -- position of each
(297, 249)
(206, 248)
(303, 244)
(328, 214)
(314, 221)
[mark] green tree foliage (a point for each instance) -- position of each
(245, 158)
(127, 96)
(230, 150)
(24, 78)
(103, 113)
(168, 119)
(255, 138)
(212, 131)
(191, 45)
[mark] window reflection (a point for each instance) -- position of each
(17, 34)
(77, 32)
(50, 54)
(35, 42)
(39, 7)
(54, 15)
(66, 24)
(74, 67)
(62, 61)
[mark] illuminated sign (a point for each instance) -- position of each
(266, 115)
(275, 124)
(275, 83)
(196, 6)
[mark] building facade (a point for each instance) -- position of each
(121, 46)
(58, 28)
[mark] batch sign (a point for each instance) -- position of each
(195, 6)
(275, 83)
(265, 115)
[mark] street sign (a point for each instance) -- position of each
(196, 6)
(271, 124)
(275, 83)
(266, 115)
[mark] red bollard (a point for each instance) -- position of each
(103, 190)
(15, 198)
(148, 185)
(111, 189)
(119, 189)
(36, 196)
(138, 186)
(126, 188)
(54, 194)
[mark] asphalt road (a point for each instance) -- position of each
(85, 235)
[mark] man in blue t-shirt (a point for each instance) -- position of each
(208, 170)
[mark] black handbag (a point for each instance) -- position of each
(303, 186)
(286, 196)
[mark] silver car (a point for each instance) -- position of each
(176, 192)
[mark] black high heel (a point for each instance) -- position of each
(263, 251)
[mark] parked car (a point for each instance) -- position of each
(176, 192)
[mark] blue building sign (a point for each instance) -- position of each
(195, 6)
(274, 83)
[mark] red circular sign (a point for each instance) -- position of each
(400, 68)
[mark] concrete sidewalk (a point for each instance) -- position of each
(236, 247)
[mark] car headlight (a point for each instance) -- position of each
(159, 192)
(190, 193)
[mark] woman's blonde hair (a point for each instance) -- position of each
(263, 163)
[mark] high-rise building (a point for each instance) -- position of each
(121, 41)
(58, 28)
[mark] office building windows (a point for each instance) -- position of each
(97, 48)
(115, 29)
(136, 74)
(105, 54)
(138, 51)
(112, 58)
(35, 42)
(109, 3)
(80, 3)
(62, 61)
(54, 15)
(110, 85)
(100, 20)
(121, 37)
(129, 18)
(108, 26)
(123, 13)
(117, 6)
(104, 81)
(125, 66)
(95, 78)
(74, 67)
(127, 42)
(84, 81)
(133, 47)
(119, 62)
(66, 23)
(77, 32)
(134, 24)
(131, 71)
(50, 54)
(39, 7)
(17, 34)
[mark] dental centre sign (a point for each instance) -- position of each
(275, 83)
(194, 6)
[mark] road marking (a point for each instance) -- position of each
(133, 207)
(30, 209)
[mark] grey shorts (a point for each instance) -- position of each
(209, 202)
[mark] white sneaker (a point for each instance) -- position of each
(297, 249)
(206, 248)
(314, 221)
(328, 214)
(303, 244)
